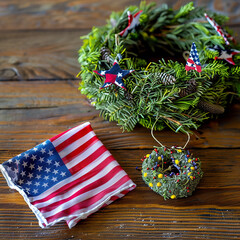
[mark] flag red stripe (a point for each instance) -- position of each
(79, 150)
(191, 61)
(58, 136)
(88, 202)
(189, 68)
(88, 160)
(85, 189)
(73, 138)
(76, 182)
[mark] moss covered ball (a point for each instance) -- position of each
(171, 172)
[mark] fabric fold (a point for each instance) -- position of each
(67, 177)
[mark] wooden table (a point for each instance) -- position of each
(39, 98)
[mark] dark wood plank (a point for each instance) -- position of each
(31, 55)
(213, 212)
(31, 112)
(82, 14)
(57, 14)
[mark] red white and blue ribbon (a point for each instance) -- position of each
(220, 30)
(133, 21)
(193, 62)
(67, 177)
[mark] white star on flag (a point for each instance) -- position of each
(50, 153)
(37, 184)
(39, 168)
(24, 164)
(49, 161)
(54, 179)
(20, 181)
(35, 191)
(30, 175)
(46, 177)
(29, 183)
(31, 166)
(43, 150)
(56, 164)
(38, 176)
(23, 173)
(17, 161)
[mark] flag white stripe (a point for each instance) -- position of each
(84, 155)
(86, 195)
(78, 143)
(70, 192)
(85, 212)
(66, 181)
(68, 134)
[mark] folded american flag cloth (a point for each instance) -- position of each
(67, 177)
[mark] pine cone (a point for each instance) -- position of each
(191, 88)
(128, 95)
(210, 107)
(105, 54)
(166, 79)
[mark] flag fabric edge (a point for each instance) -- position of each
(41, 219)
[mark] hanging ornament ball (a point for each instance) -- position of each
(172, 173)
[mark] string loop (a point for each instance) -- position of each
(188, 137)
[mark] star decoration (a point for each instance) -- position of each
(226, 54)
(114, 76)
(133, 21)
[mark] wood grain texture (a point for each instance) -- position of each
(213, 212)
(39, 55)
(31, 112)
(82, 14)
(39, 41)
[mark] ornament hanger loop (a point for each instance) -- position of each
(188, 137)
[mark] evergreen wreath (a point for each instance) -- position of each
(172, 173)
(152, 41)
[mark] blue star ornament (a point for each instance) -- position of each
(114, 75)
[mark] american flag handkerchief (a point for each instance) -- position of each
(67, 177)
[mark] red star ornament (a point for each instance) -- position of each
(114, 76)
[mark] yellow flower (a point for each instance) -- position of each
(189, 173)
(150, 184)
(192, 168)
(177, 162)
(159, 184)
(179, 150)
(147, 155)
(189, 160)
(191, 177)
(159, 158)
(160, 175)
(173, 196)
(145, 174)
